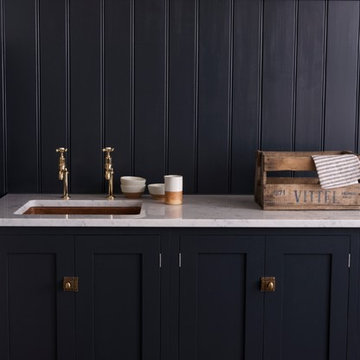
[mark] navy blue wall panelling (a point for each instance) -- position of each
(176, 86)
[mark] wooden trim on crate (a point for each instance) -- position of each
(294, 180)
(284, 163)
(303, 153)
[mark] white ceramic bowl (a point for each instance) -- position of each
(132, 188)
(132, 191)
(156, 189)
(132, 180)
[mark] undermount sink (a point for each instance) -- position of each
(80, 207)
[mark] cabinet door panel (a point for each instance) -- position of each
(118, 304)
(306, 317)
(220, 302)
(37, 317)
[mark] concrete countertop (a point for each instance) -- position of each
(233, 211)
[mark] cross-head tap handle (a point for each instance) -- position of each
(108, 150)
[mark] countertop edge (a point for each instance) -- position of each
(193, 223)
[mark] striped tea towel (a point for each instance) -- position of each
(337, 170)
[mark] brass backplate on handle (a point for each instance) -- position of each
(71, 283)
(267, 284)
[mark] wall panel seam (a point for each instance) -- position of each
(357, 89)
(260, 73)
(166, 83)
(3, 86)
(102, 84)
(230, 92)
(295, 74)
(196, 96)
(38, 95)
(132, 86)
(325, 41)
(67, 86)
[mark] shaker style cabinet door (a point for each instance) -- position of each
(36, 315)
(118, 303)
(306, 315)
(221, 307)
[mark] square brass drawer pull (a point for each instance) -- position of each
(71, 283)
(267, 284)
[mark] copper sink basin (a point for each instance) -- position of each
(82, 210)
(80, 207)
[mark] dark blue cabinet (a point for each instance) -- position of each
(36, 316)
(306, 317)
(223, 313)
(118, 305)
(221, 307)
(179, 294)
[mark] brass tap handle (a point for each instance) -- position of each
(61, 150)
(108, 150)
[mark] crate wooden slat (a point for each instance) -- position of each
(288, 163)
(298, 193)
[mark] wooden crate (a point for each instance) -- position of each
(298, 193)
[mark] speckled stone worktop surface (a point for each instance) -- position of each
(233, 211)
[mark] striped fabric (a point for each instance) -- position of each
(337, 170)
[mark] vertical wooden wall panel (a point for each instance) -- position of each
(21, 96)
(278, 68)
(2, 156)
(182, 82)
(214, 52)
(149, 89)
(3, 106)
(342, 57)
(247, 35)
(118, 84)
(52, 100)
(310, 66)
(86, 129)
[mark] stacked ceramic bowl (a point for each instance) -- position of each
(157, 191)
(132, 186)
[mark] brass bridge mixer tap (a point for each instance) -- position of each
(63, 173)
(109, 172)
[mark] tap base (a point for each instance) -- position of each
(66, 197)
(110, 197)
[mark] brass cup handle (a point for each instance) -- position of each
(270, 286)
(71, 283)
(267, 284)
